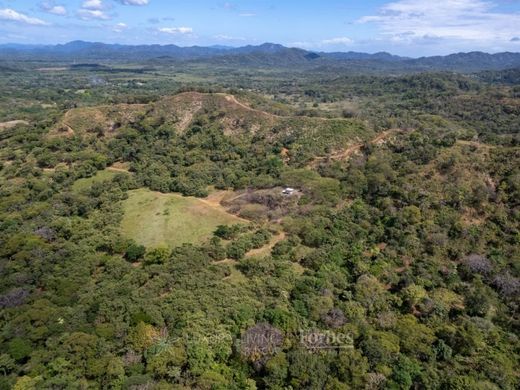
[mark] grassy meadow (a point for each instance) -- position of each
(154, 219)
(85, 183)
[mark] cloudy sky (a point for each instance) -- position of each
(405, 27)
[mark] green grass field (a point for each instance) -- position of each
(101, 176)
(82, 184)
(154, 219)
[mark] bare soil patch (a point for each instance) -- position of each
(11, 124)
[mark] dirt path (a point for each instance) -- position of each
(61, 69)
(234, 100)
(345, 154)
(215, 199)
(188, 116)
(266, 249)
(114, 169)
(381, 137)
(119, 166)
(340, 155)
(476, 144)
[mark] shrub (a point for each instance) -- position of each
(19, 348)
(134, 252)
(227, 232)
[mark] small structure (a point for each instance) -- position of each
(288, 191)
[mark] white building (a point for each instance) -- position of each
(288, 191)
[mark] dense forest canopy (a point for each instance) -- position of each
(167, 226)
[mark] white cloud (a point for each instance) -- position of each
(337, 41)
(15, 16)
(247, 14)
(176, 30)
(52, 8)
(93, 5)
(302, 44)
(325, 44)
(93, 9)
(223, 37)
(463, 20)
(88, 14)
(120, 27)
(134, 2)
(57, 10)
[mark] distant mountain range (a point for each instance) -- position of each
(267, 54)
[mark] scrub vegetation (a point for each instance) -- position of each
(149, 239)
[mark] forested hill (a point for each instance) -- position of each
(167, 227)
(267, 54)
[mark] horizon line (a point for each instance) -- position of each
(251, 45)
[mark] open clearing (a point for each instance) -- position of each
(11, 124)
(85, 183)
(154, 219)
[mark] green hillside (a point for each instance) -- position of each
(209, 226)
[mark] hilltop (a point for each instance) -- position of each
(224, 111)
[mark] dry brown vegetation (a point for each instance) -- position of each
(99, 121)
(118, 166)
(262, 204)
(11, 124)
(180, 111)
(346, 153)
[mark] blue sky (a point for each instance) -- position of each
(405, 27)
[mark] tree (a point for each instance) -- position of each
(276, 370)
(167, 363)
(506, 284)
(237, 249)
(142, 336)
(416, 339)
(7, 364)
(477, 264)
(134, 252)
(405, 371)
(259, 343)
(371, 294)
(19, 349)
(227, 232)
(352, 367)
(27, 383)
(157, 256)
(334, 318)
(380, 347)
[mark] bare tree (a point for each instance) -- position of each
(334, 318)
(13, 298)
(478, 264)
(260, 342)
(506, 284)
